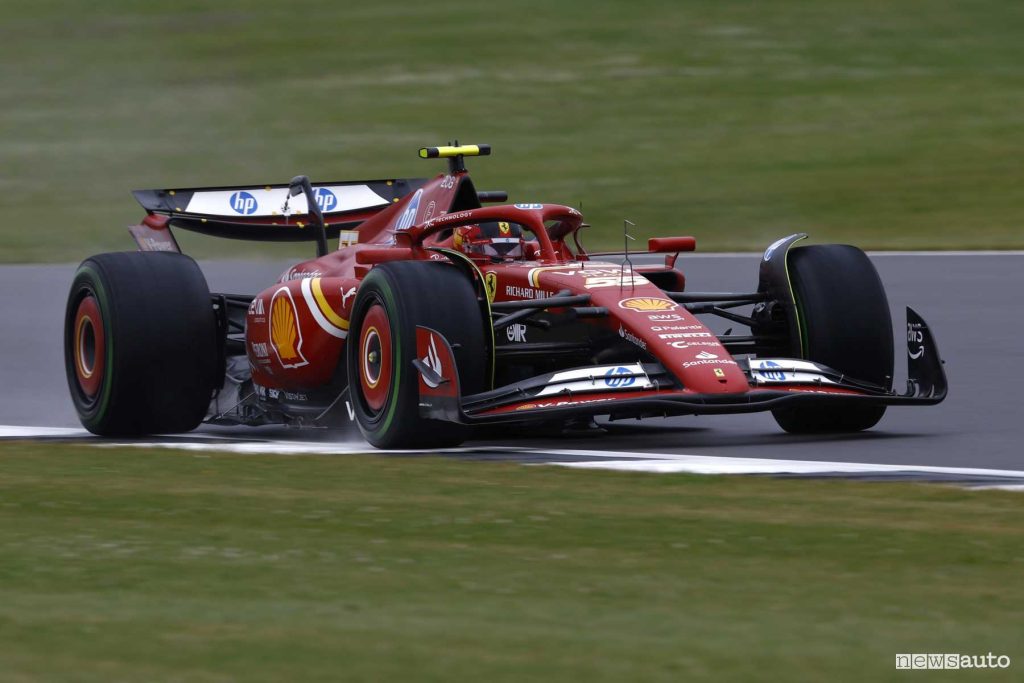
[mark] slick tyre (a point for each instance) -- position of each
(140, 344)
(846, 325)
(392, 301)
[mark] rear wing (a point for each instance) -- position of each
(267, 213)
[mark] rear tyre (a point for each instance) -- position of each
(140, 344)
(392, 301)
(846, 325)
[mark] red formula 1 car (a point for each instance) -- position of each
(437, 313)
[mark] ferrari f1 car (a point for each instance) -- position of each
(444, 307)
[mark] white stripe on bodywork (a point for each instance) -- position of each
(324, 323)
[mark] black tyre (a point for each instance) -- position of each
(140, 344)
(846, 325)
(383, 384)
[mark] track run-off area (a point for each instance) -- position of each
(968, 298)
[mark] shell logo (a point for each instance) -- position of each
(285, 334)
(645, 304)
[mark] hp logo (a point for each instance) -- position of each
(619, 377)
(243, 203)
(777, 375)
(325, 199)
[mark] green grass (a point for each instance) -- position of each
(887, 124)
(164, 565)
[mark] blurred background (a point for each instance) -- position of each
(887, 124)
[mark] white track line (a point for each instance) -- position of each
(706, 464)
(19, 432)
(609, 460)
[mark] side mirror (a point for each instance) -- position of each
(297, 185)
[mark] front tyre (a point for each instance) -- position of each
(392, 301)
(845, 324)
(140, 344)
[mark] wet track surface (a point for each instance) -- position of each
(971, 302)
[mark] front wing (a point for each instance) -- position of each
(648, 390)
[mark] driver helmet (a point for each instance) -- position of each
(497, 240)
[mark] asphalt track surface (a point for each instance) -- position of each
(971, 301)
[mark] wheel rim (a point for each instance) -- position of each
(89, 348)
(375, 346)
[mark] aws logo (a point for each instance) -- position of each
(285, 333)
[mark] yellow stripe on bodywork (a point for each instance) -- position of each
(325, 308)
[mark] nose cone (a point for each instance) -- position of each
(641, 313)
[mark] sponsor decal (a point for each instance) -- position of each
(285, 333)
(345, 296)
(619, 378)
(665, 318)
(294, 274)
(685, 335)
(516, 332)
(772, 247)
(790, 371)
(766, 371)
(325, 316)
(594, 379)
(687, 344)
(447, 182)
(325, 199)
(915, 336)
(433, 361)
(526, 292)
(562, 403)
(534, 275)
(644, 304)
(719, 373)
(667, 328)
(529, 207)
(690, 344)
(693, 363)
(256, 307)
(704, 355)
(274, 201)
(244, 203)
(630, 337)
(446, 218)
(408, 217)
(618, 280)
(491, 285)
(157, 245)
(429, 213)
(260, 349)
